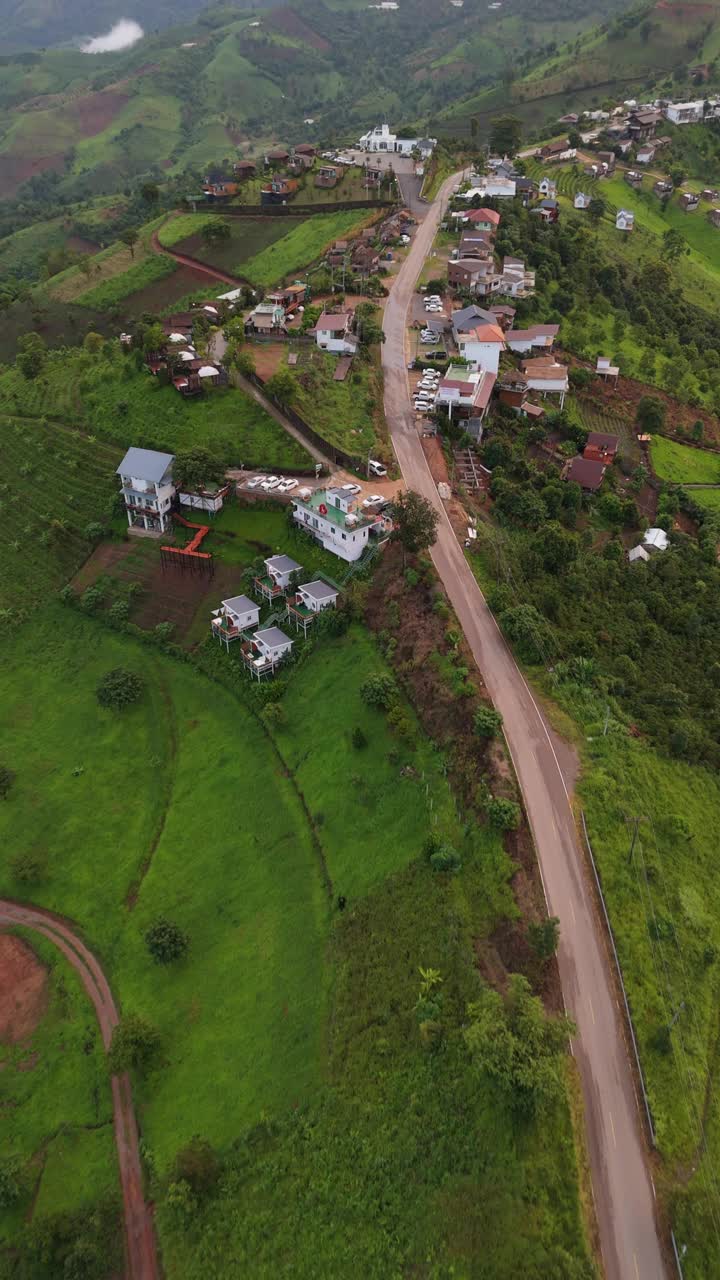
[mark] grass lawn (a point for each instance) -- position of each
(682, 464)
(116, 401)
(344, 413)
(141, 274)
(301, 246)
(248, 237)
(707, 498)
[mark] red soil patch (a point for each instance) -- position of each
(95, 111)
(16, 169)
(163, 293)
(79, 244)
(23, 990)
(289, 23)
(686, 10)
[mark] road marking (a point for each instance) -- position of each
(637, 1269)
(612, 1126)
(572, 911)
(592, 1011)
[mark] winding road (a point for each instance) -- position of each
(622, 1186)
(141, 1251)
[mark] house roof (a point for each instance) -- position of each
(273, 637)
(535, 331)
(587, 474)
(486, 333)
(319, 590)
(241, 604)
(282, 564)
(603, 440)
(145, 464)
(484, 215)
(638, 553)
(655, 538)
(334, 323)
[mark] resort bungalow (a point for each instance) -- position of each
(309, 600)
(625, 220)
(266, 651)
(655, 540)
(539, 337)
(582, 200)
(332, 333)
(233, 617)
(147, 489)
(331, 517)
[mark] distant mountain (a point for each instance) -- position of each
(36, 24)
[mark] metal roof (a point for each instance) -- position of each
(282, 564)
(145, 464)
(273, 637)
(241, 604)
(318, 590)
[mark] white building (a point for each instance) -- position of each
(547, 188)
(685, 112)
(625, 220)
(582, 200)
(233, 617)
(655, 540)
(382, 139)
(638, 554)
(330, 516)
(547, 376)
(318, 595)
(147, 489)
(204, 499)
(332, 333)
(539, 338)
(465, 390)
(480, 343)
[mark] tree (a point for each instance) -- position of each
(31, 356)
(379, 690)
(119, 688)
(215, 232)
(166, 941)
(150, 192)
(93, 343)
(487, 722)
(7, 778)
(416, 522)
(557, 547)
(503, 814)
(135, 1043)
(526, 628)
(243, 362)
(359, 739)
(153, 337)
(10, 1182)
(130, 238)
(197, 468)
(674, 245)
(651, 414)
(198, 1165)
(29, 866)
(518, 1046)
(677, 177)
(445, 858)
(282, 387)
(575, 139)
(543, 937)
(596, 209)
(505, 135)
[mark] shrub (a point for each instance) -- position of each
(400, 722)
(379, 691)
(93, 531)
(543, 937)
(7, 778)
(197, 1165)
(274, 713)
(91, 599)
(119, 611)
(487, 722)
(135, 1043)
(359, 739)
(28, 866)
(119, 688)
(10, 1182)
(446, 858)
(163, 631)
(503, 814)
(166, 941)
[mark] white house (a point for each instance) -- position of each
(607, 370)
(204, 499)
(479, 343)
(497, 187)
(332, 333)
(655, 540)
(582, 200)
(625, 220)
(330, 516)
(540, 337)
(516, 280)
(645, 154)
(318, 595)
(271, 644)
(233, 617)
(467, 391)
(547, 376)
(638, 554)
(382, 139)
(685, 112)
(147, 489)
(547, 188)
(281, 569)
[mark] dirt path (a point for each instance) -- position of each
(621, 1182)
(195, 263)
(141, 1250)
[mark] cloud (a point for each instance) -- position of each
(121, 36)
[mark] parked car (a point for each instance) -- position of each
(351, 488)
(289, 484)
(256, 480)
(272, 482)
(377, 468)
(428, 339)
(373, 500)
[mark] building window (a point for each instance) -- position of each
(344, 537)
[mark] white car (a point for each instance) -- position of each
(433, 297)
(422, 407)
(256, 480)
(373, 500)
(272, 482)
(428, 339)
(351, 488)
(287, 485)
(377, 468)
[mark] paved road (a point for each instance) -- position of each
(141, 1252)
(621, 1183)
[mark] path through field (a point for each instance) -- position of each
(141, 1250)
(195, 263)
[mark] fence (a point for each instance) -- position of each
(628, 1014)
(295, 210)
(338, 456)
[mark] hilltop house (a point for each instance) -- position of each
(633, 178)
(332, 333)
(233, 617)
(539, 337)
(689, 201)
(244, 169)
(479, 341)
(382, 139)
(326, 176)
(526, 188)
(662, 189)
(642, 124)
(607, 161)
(147, 489)
(585, 472)
(625, 220)
(547, 188)
(278, 190)
(465, 393)
(289, 296)
(264, 653)
(685, 112)
(279, 155)
(331, 517)
(601, 447)
(318, 595)
(607, 370)
(548, 210)
(714, 216)
(645, 154)
(266, 317)
(582, 200)
(655, 540)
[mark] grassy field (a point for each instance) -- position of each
(707, 498)
(116, 401)
(248, 237)
(682, 464)
(55, 482)
(109, 293)
(301, 246)
(342, 412)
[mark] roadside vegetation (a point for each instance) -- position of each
(301, 246)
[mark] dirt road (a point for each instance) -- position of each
(141, 1249)
(213, 272)
(623, 1190)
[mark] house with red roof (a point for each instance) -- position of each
(539, 337)
(465, 393)
(479, 341)
(483, 219)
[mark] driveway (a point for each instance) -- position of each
(624, 1196)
